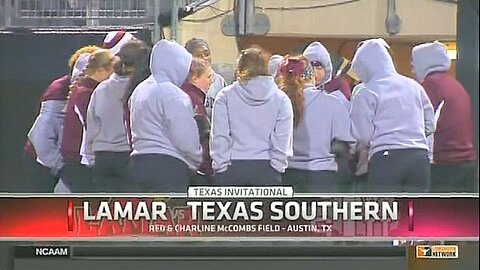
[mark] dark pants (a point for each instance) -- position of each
(399, 170)
(454, 178)
(77, 177)
(305, 181)
(199, 179)
(360, 183)
(249, 173)
(344, 176)
(110, 173)
(39, 178)
(155, 173)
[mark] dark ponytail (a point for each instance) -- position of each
(139, 68)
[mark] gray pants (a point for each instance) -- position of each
(304, 181)
(155, 173)
(249, 173)
(399, 170)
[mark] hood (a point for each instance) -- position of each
(256, 91)
(317, 52)
(274, 64)
(79, 66)
(429, 57)
(170, 62)
(372, 59)
(338, 83)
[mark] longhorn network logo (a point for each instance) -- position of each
(437, 252)
(424, 251)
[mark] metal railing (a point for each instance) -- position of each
(88, 9)
(81, 13)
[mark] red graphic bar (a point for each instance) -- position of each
(410, 216)
(70, 215)
(417, 218)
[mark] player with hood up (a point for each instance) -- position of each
(453, 168)
(321, 130)
(166, 144)
(320, 60)
(392, 115)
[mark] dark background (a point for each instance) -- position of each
(28, 63)
(236, 256)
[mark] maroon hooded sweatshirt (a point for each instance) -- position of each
(453, 138)
(198, 101)
(73, 128)
(338, 83)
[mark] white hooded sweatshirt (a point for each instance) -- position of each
(325, 119)
(429, 57)
(161, 113)
(392, 111)
(252, 120)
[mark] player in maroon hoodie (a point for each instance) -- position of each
(198, 81)
(42, 150)
(454, 166)
(76, 173)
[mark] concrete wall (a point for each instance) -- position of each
(421, 19)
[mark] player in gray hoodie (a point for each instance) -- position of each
(165, 137)
(319, 59)
(392, 115)
(252, 126)
(321, 126)
(106, 134)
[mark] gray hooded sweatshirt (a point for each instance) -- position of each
(252, 120)
(106, 130)
(392, 111)
(429, 57)
(161, 114)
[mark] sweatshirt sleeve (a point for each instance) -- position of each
(93, 123)
(80, 108)
(281, 139)
(428, 113)
(183, 131)
(220, 139)
(433, 94)
(81, 105)
(45, 136)
(362, 113)
(341, 125)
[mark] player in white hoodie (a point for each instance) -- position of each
(252, 125)
(320, 60)
(165, 137)
(392, 115)
(106, 136)
(321, 128)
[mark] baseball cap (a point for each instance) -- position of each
(114, 40)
